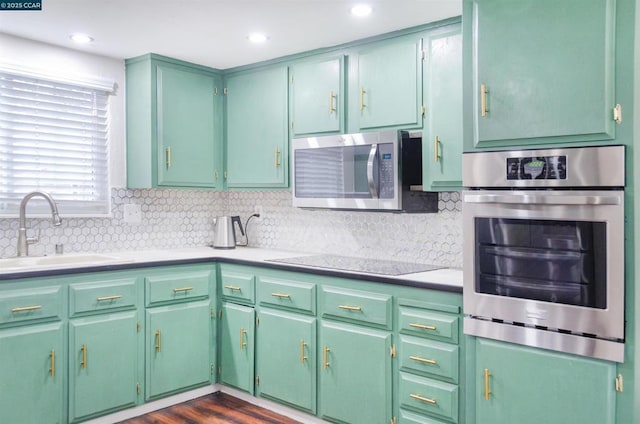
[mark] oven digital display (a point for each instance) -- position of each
(537, 168)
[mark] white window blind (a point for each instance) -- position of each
(53, 138)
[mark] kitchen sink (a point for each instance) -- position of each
(26, 263)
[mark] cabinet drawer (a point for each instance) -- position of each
(407, 417)
(434, 325)
(102, 296)
(287, 294)
(360, 306)
(17, 306)
(177, 287)
(428, 396)
(429, 357)
(238, 286)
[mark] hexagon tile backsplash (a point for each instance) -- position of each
(183, 218)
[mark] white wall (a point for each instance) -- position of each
(48, 58)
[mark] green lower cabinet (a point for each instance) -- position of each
(237, 348)
(524, 385)
(355, 374)
(178, 346)
(32, 372)
(286, 358)
(103, 364)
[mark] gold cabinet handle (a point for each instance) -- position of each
(105, 298)
(436, 149)
(215, 175)
(276, 157)
(332, 98)
(362, 92)
(487, 390)
(302, 357)
(83, 363)
(423, 327)
(281, 295)
(424, 399)
(483, 100)
(182, 289)
(243, 333)
(158, 341)
(350, 308)
(168, 152)
(233, 288)
(325, 362)
(423, 360)
(26, 308)
(52, 369)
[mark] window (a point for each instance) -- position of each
(54, 138)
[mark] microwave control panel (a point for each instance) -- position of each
(537, 168)
(386, 170)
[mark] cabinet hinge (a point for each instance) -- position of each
(617, 113)
(219, 371)
(257, 380)
(257, 321)
(291, 79)
(215, 91)
(291, 124)
(213, 313)
(394, 420)
(619, 384)
(392, 350)
(212, 369)
(138, 327)
(424, 54)
(225, 175)
(225, 91)
(138, 388)
(220, 314)
(424, 111)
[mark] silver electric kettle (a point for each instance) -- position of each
(224, 233)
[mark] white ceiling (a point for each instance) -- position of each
(214, 32)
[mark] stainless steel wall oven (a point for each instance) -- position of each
(544, 248)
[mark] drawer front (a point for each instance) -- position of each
(358, 306)
(407, 417)
(18, 306)
(287, 294)
(103, 296)
(428, 396)
(237, 286)
(436, 359)
(434, 325)
(177, 287)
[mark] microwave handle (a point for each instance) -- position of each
(542, 199)
(370, 162)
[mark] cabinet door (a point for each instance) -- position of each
(102, 378)
(237, 346)
(188, 145)
(317, 97)
(286, 359)
(257, 133)
(177, 347)
(388, 89)
(32, 371)
(442, 136)
(547, 69)
(532, 386)
(355, 371)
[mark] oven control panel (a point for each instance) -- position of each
(537, 168)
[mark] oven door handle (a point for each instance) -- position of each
(370, 167)
(530, 199)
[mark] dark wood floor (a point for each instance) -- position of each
(216, 408)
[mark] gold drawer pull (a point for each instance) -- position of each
(276, 157)
(325, 363)
(350, 308)
(52, 369)
(332, 97)
(168, 154)
(182, 289)
(243, 333)
(103, 298)
(423, 360)
(234, 288)
(424, 399)
(302, 357)
(158, 341)
(362, 92)
(487, 390)
(423, 327)
(83, 363)
(26, 308)
(281, 295)
(483, 100)
(436, 149)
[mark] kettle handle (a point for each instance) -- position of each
(237, 219)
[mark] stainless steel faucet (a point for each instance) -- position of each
(23, 240)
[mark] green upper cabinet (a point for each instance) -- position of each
(518, 384)
(174, 124)
(257, 139)
(317, 96)
(442, 135)
(385, 85)
(539, 72)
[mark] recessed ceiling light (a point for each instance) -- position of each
(361, 10)
(257, 37)
(81, 38)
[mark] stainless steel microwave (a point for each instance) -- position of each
(374, 171)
